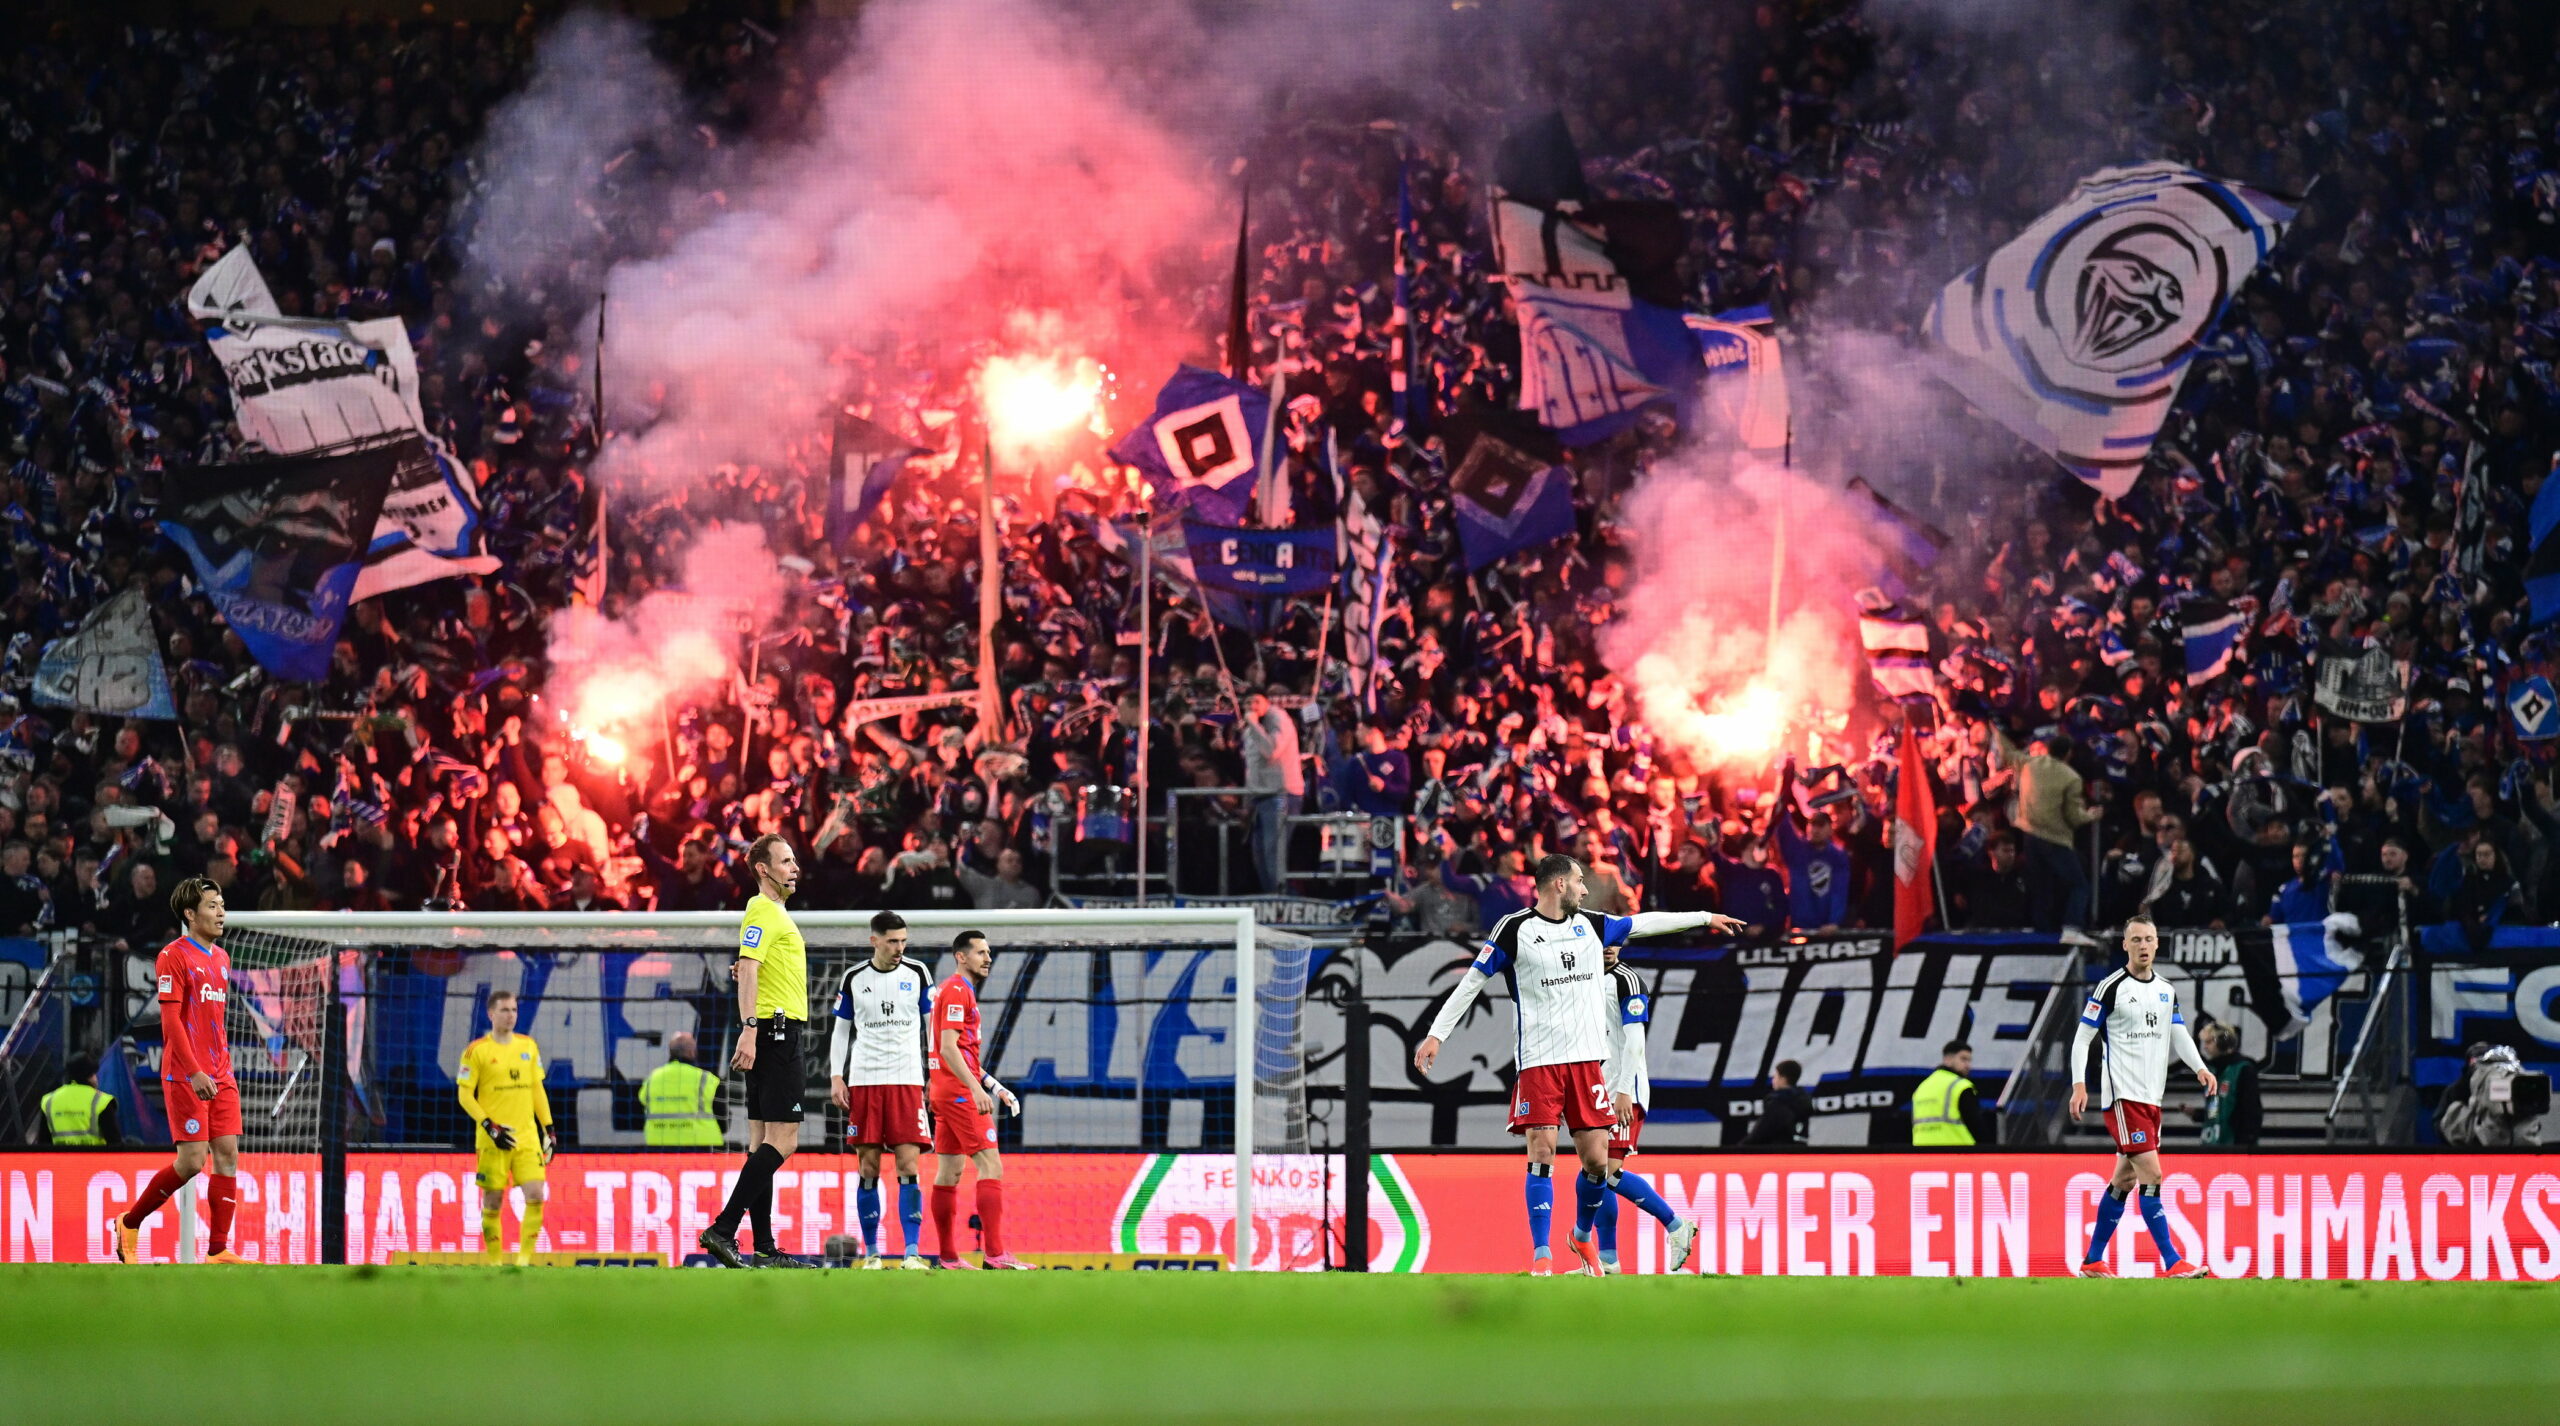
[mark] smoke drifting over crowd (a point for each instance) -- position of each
(617, 675)
(992, 187)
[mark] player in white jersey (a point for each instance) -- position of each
(1631, 1092)
(1554, 957)
(2127, 1032)
(875, 1063)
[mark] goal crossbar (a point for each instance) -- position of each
(360, 928)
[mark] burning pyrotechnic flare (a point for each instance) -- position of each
(603, 747)
(619, 680)
(1033, 399)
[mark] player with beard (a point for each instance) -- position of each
(1553, 955)
(773, 998)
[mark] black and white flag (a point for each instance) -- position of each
(2076, 333)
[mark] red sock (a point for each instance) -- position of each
(991, 1216)
(946, 1204)
(163, 1184)
(222, 1198)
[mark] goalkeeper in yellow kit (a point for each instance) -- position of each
(500, 1085)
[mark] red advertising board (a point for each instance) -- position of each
(2375, 1217)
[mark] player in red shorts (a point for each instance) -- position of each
(964, 1101)
(1631, 1089)
(2137, 1013)
(875, 1060)
(195, 1075)
(1554, 955)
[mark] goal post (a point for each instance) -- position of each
(1139, 986)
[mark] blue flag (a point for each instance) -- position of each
(1200, 447)
(2534, 708)
(865, 463)
(2213, 633)
(2542, 568)
(1260, 562)
(2304, 964)
(1510, 492)
(277, 544)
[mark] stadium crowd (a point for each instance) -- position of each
(2351, 462)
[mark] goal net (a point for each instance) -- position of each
(1122, 1033)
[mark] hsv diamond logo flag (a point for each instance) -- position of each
(2535, 709)
(1510, 490)
(2076, 334)
(1200, 447)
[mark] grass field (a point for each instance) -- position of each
(549, 1347)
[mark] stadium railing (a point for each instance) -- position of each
(2375, 1102)
(2035, 1103)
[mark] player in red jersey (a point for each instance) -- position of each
(195, 1075)
(964, 1097)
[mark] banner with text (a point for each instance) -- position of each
(2377, 1217)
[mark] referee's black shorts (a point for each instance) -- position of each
(777, 1082)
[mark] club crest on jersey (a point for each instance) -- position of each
(2139, 1135)
(1523, 1109)
(192, 1125)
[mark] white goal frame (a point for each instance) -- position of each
(1237, 921)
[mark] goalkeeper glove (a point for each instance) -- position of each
(499, 1134)
(550, 1142)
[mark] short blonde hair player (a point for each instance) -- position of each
(500, 1084)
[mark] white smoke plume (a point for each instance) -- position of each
(1693, 638)
(971, 160)
(563, 159)
(615, 676)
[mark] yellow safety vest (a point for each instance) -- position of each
(681, 1104)
(72, 1113)
(1935, 1124)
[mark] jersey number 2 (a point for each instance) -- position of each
(1600, 1097)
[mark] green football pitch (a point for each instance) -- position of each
(543, 1346)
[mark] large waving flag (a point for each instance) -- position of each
(278, 544)
(302, 386)
(2076, 333)
(1510, 489)
(1595, 287)
(1200, 447)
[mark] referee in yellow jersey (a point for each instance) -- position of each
(773, 999)
(500, 1085)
